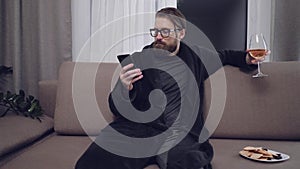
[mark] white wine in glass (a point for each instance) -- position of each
(258, 50)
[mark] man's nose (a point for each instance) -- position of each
(159, 36)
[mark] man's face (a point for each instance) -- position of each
(169, 43)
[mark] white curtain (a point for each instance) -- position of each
(279, 21)
(102, 29)
(286, 34)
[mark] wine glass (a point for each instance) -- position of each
(258, 50)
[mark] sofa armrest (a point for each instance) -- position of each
(47, 96)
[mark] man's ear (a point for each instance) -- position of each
(181, 34)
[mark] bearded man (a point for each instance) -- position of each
(177, 115)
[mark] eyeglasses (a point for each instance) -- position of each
(165, 32)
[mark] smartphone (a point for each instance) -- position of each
(124, 62)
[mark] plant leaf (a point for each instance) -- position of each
(1, 96)
(18, 103)
(22, 93)
(34, 104)
(30, 98)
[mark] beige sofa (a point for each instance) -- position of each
(258, 112)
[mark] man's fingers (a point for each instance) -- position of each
(129, 79)
(255, 61)
(132, 73)
(137, 78)
(132, 76)
(126, 68)
(128, 75)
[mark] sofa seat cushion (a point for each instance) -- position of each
(16, 131)
(56, 152)
(227, 154)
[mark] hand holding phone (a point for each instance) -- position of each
(129, 73)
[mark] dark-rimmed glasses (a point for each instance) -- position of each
(164, 32)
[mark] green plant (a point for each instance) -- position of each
(5, 70)
(19, 103)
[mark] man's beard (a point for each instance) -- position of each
(161, 45)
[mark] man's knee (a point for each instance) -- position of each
(79, 164)
(154, 166)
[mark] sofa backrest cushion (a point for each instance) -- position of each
(259, 108)
(263, 108)
(82, 98)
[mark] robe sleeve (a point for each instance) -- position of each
(211, 61)
(119, 94)
(235, 58)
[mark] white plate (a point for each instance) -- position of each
(284, 157)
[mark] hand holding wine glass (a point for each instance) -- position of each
(258, 50)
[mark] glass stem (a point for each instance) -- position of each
(258, 67)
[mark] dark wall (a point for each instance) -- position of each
(223, 21)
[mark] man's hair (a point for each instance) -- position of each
(174, 15)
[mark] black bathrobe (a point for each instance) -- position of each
(190, 151)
